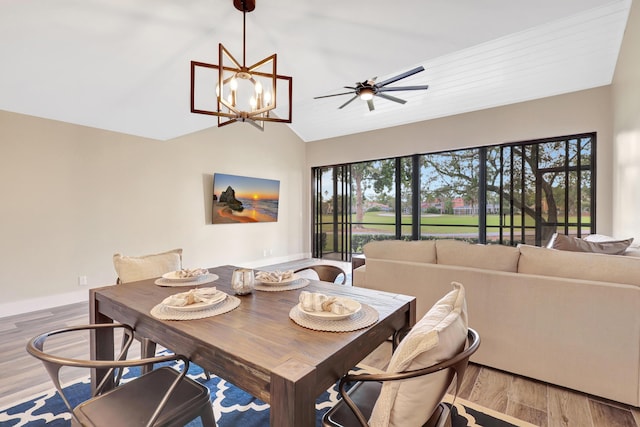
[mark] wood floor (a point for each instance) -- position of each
(538, 403)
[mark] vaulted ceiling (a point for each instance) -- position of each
(123, 65)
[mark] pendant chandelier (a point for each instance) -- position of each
(243, 93)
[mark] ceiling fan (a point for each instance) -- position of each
(367, 89)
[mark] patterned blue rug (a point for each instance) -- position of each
(232, 407)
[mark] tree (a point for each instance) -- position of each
(360, 172)
(525, 172)
(453, 174)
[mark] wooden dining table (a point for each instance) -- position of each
(256, 346)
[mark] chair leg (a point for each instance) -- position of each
(207, 417)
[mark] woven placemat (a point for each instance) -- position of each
(367, 316)
(174, 283)
(163, 312)
(297, 284)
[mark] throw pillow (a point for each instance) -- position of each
(576, 244)
(437, 337)
(134, 268)
(603, 238)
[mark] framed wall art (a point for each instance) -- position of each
(242, 199)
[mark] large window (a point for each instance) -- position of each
(507, 194)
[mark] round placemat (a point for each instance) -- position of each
(367, 316)
(163, 312)
(300, 283)
(174, 284)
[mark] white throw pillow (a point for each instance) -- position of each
(133, 268)
(437, 337)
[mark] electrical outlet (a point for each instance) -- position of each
(82, 281)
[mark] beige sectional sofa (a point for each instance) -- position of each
(566, 318)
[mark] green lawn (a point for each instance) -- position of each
(384, 222)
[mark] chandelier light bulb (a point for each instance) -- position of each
(267, 98)
(233, 84)
(258, 87)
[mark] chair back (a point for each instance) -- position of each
(327, 272)
(134, 268)
(169, 390)
(53, 363)
(360, 398)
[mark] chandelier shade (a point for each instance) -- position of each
(242, 93)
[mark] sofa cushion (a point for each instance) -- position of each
(437, 337)
(579, 265)
(488, 257)
(576, 244)
(133, 268)
(402, 250)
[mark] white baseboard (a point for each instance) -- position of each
(43, 303)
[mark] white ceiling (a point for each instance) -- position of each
(123, 65)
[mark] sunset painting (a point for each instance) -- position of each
(238, 199)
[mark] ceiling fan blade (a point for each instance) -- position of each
(347, 103)
(335, 94)
(370, 104)
(399, 88)
(391, 98)
(401, 76)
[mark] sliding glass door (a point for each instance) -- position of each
(332, 212)
(506, 194)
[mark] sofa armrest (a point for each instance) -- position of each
(359, 276)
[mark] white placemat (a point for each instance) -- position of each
(297, 284)
(367, 316)
(163, 312)
(200, 281)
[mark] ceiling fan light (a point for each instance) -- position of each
(366, 94)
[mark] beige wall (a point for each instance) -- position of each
(585, 111)
(626, 128)
(72, 196)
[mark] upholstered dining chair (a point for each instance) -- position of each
(134, 268)
(161, 397)
(420, 373)
(327, 272)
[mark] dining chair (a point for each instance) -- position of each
(134, 268)
(327, 273)
(162, 397)
(358, 402)
(421, 371)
